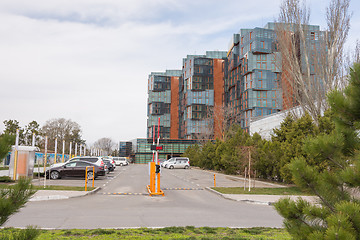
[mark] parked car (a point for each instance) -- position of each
(109, 165)
(112, 161)
(120, 161)
(97, 160)
(178, 162)
(76, 169)
(160, 161)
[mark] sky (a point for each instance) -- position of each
(89, 60)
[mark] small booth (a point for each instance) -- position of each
(22, 161)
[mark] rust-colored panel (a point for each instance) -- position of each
(174, 108)
(218, 98)
(286, 85)
(22, 164)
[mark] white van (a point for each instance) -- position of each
(120, 161)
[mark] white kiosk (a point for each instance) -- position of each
(22, 165)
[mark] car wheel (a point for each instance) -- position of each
(186, 167)
(171, 167)
(54, 175)
(90, 175)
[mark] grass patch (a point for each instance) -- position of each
(188, 232)
(63, 188)
(54, 187)
(41, 165)
(4, 168)
(262, 191)
(6, 179)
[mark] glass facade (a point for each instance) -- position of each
(159, 102)
(252, 83)
(196, 95)
(125, 149)
(171, 148)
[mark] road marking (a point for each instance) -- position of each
(182, 188)
(125, 194)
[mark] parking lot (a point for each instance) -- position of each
(100, 181)
(123, 201)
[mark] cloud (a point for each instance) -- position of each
(88, 60)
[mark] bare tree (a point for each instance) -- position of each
(223, 118)
(312, 60)
(105, 144)
(62, 129)
(352, 56)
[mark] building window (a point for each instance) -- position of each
(262, 44)
(312, 34)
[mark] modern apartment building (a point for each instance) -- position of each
(163, 103)
(201, 89)
(257, 81)
(249, 81)
(253, 82)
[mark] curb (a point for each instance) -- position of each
(240, 178)
(246, 201)
(62, 197)
(88, 193)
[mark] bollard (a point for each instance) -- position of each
(86, 179)
(214, 180)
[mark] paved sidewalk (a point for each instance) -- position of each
(4, 173)
(44, 195)
(262, 199)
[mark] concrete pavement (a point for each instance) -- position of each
(262, 199)
(45, 195)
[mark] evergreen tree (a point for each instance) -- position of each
(14, 197)
(5, 145)
(290, 137)
(335, 183)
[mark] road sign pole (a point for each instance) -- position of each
(45, 160)
(33, 140)
(16, 154)
(55, 151)
(63, 151)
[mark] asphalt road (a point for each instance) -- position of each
(108, 209)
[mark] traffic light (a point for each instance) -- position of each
(157, 168)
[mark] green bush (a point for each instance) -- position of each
(6, 179)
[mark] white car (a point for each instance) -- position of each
(120, 161)
(177, 162)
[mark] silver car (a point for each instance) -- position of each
(178, 162)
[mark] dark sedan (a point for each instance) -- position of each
(76, 169)
(109, 164)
